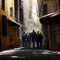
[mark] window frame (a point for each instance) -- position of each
(3, 4)
(11, 11)
(45, 9)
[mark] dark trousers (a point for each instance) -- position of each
(23, 43)
(33, 41)
(39, 44)
(33, 44)
(29, 42)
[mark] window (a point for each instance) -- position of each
(3, 4)
(16, 9)
(21, 15)
(4, 26)
(45, 10)
(11, 11)
(59, 4)
(21, 12)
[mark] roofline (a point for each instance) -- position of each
(47, 15)
(51, 14)
(12, 20)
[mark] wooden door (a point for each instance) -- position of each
(55, 35)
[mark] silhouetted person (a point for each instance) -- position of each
(33, 36)
(28, 40)
(39, 40)
(23, 39)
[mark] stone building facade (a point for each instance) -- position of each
(49, 14)
(9, 25)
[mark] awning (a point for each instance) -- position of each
(50, 17)
(13, 21)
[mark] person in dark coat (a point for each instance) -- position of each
(28, 40)
(24, 39)
(39, 40)
(33, 36)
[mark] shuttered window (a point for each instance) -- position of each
(11, 11)
(3, 4)
(45, 9)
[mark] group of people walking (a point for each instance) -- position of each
(31, 38)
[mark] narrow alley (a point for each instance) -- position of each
(30, 29)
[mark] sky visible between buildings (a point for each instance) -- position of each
(31, 15)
